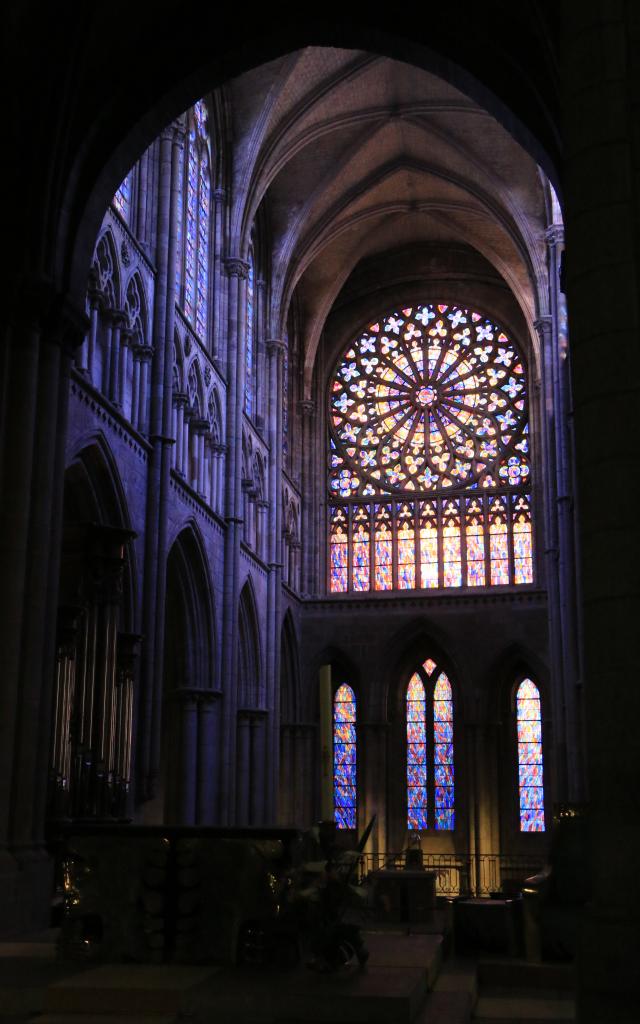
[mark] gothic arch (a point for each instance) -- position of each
(250, 677)
(93, 493)
(189, 591)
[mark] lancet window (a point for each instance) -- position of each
(430, 766)
(194, 216)
(344, 757)
(530, 760)
(429, 461)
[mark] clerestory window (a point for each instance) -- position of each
(429, 462)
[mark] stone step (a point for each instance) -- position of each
(133, 989)
(523, 974)
(100, 1018)
(516, 1009)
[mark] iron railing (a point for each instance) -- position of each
(464, 874)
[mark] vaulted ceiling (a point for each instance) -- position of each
(350, 155)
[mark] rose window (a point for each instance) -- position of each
(429, 401)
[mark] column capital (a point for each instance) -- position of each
(543, 325)
(554, 236)
(236, 267)
(143, 352)
(219, 195)
(275, 346)
(200, 425)
(307, 407)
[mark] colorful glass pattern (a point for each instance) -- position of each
(122, 198)
(344, 757)
(451, 547)
(433, 398)
(339, 547)
(475, 543)
(443, 754)
(249, 360)
(428, 397)
(522, 542)
(530, 761)
(406, 548)
(194, 217)
(499, 542)
(417, 817)
(383, 549)
(361, 548)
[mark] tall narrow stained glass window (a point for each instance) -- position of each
(249, 347)
(429, 442)
(430, 767)
(344, 757)
(122, 198)
(194, 222)
(530, 761)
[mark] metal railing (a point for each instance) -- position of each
(464, 874)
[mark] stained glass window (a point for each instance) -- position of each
(416, 755)
(530, 762)
(249, 353)
(194, 222)
(430, 767)
(122, 198)
(431, 402)
(344, 757)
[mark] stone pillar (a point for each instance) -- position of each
(208, 756)
(258, 774)
(125, 348)
(602, 162)
(145, 355)
(307, 410)
(188, 705)
(243, 768)
(88, 363)
(158, 477)
(187, 417)
(219, 290)
(118, 321)
(39, 335)
(220, 477)
(107, 331)
(237, 272)
(276, 348)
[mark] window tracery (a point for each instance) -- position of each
(430, 402)
(530, 759)
(344, 757)
(194, 215)
(430, 765)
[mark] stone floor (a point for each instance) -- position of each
(408, 980)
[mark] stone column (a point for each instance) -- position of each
(158, 476)
(118, 321)
(125, 348)
(276, 348)
(602, 163)
(243, 768)
(187, 417)
(208, 756)
(145, 355)
(218, 290)
(40, 333)
(220, 477)
(188, 705)
(107, 332)
(307, 410)
(258, 774)
(237, 272)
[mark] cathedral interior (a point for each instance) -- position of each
(303, 404)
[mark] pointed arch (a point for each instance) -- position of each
(429, 749)
(107, 267)
(345, 757)
(530, 756)
(136, 308)
(250, 683)
(190, 601)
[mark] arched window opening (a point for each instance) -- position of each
(430, 763)
(194, 215)
(249, 369)
(429, 400)
(530, 759)
(122, 198)
(344, 757)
